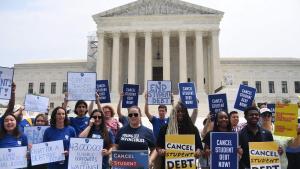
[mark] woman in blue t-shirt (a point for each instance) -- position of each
(97, 129)
(59, 130)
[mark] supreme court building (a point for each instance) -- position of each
(162, 40)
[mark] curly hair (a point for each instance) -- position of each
(110, 108)
(53, 117)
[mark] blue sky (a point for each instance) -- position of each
(58, 29)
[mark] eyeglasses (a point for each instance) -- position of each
(266, 115)
(95, 117)
(133, 114)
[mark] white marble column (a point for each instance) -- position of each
(100, 56)
(199, 67)
(182, 57)
(115, 63)
(131, 58)
(215, 61)
(166, 55)
(148, 58)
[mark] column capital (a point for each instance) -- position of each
(182, 32)
(100, 33)
(132, 33)
(116, 34)
(199, 33)
(215, 32)
(149, 33)
(166, 33)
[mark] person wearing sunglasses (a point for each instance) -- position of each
(134, 136)
(266, 119)
(98, 130)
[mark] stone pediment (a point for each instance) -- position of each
(159, 7)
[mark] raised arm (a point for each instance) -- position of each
(11, 103)
(87, 130)
(119, 108)
(149, 116)
(194, 115)
(98, 102)
(65, 104)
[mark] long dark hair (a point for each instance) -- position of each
(186, 125)
(53, 117)
(216, 126)
(102, 128)
(16, 132)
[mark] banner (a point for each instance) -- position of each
(245, 97)
(102, 89)
(223, 146)
(35, 134)
(286, 120)
(272, 109)
(131, 95)
(264, 155)
(180, 151)
(85, 153)
(13, 157)
(6, 79)
(81, 85)
(47, 152)
(126, 159)
(35, 103)
(188, 95)
(159, 92)
(217, 102)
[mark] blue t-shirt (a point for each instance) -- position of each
(24, 123)
(157, 123)
(11, 141)
(124, 120)
(140, 138)
(79, 123)
(54, 134)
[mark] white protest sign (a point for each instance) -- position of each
(13, 157)
(82, 85)
(6, 79)
(85, 153)
(35, 133)
(35, 103)
(159, 92)
(47, 152)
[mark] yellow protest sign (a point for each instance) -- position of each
(286, 121)
(264, 155)
(180, 150)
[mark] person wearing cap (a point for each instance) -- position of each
(266, 119)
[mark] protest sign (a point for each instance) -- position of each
(13, 157)
(272, 109)
(223, 150)
(47, 152)
(35, 103)
(159, 92)
(188, 95)
(81, 85)
(35, 133)
(217, 102)
(264, 155)
(126, 159)
(180, 150)
(245, 97)
(131, 95)
(102, 89)
(286, 120)
(85, 153)
(6, 79)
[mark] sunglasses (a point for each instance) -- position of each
(266, 115)
(133, 114)
(95, 117)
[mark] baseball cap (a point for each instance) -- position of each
(264, 110)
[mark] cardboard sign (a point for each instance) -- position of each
(35, 133)
(180, 151)
(245, 97)
(126, 159)
(81, 85)
(35, 103)
(188, 95)
(286, 120)
(102, 89)
(217, 103)
(13, 157)
(85, 153)
(223, 150)
(6, 79)
(47, 152)
(159, 92)
(264, 155)
(131, 95)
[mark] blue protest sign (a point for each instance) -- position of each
(223, 146)
(188, 95)
(217, 102)
(272, 109)
(6, 79)
(102, 89)
(245, 97)
(159, 92)
(35, 133)
(123, 159)
(131, 95)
